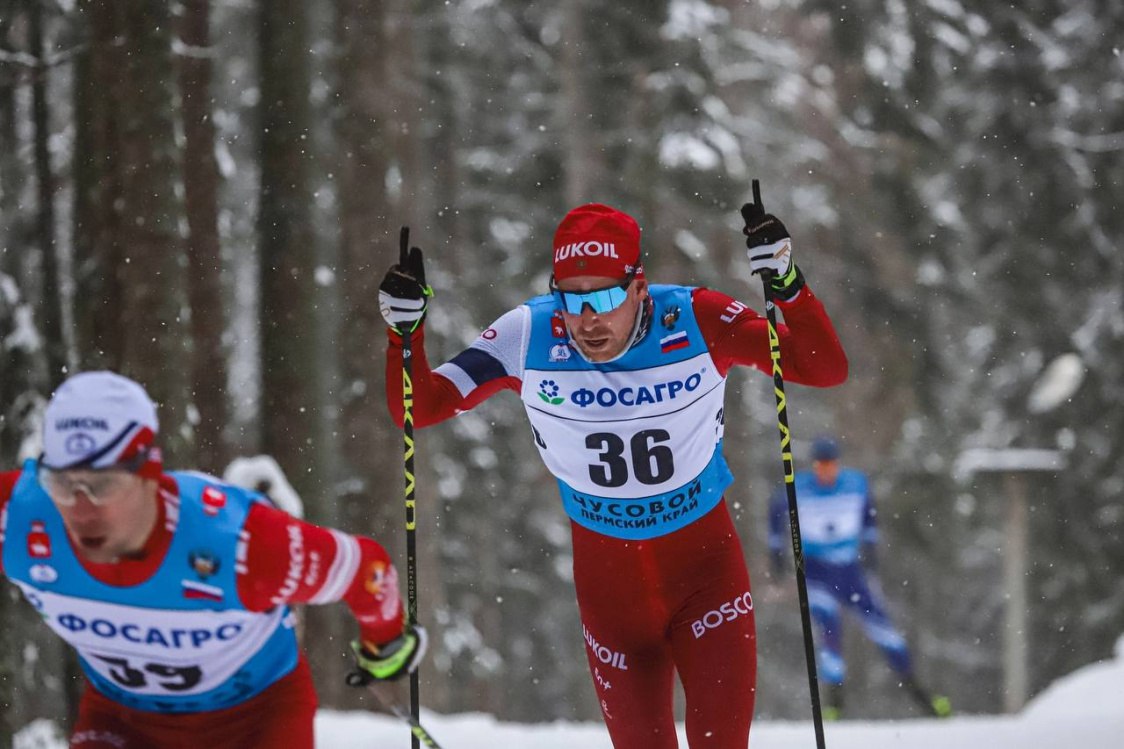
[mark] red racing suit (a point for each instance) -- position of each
(676, 602)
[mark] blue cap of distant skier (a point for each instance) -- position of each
(825, 449)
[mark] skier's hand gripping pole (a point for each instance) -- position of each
(378, 665)
(389, 661)
(403, 294)
(769, 247)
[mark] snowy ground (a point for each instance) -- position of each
(1084, 710)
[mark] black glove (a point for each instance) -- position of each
(403, 293)
(770, 248)
(390, 661)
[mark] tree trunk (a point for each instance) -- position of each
(583, 167)
(204, 255)
(289, 371)
(130, 254)
(11, 168)
(371, 460)
(50, 303)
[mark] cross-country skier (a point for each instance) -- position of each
(175, 588)
(623, 383)
(840, 537)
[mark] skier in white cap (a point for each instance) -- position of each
(175, 587)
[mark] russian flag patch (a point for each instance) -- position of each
(674, 341)
(201, 591)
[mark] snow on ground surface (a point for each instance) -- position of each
(1084, 710)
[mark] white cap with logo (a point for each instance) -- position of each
(97, 420)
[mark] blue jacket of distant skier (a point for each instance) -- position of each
(835, 521)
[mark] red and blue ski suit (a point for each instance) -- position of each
(190, 643)
(635, 445)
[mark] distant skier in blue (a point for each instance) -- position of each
(839, 533)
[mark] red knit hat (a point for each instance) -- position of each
(597, 240)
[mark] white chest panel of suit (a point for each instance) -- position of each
(635, 443)
(157, 652)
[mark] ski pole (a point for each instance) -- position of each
(411, 535)
(417, 730)
(418, 734)
(790, 488)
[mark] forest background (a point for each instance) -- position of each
(205, 194)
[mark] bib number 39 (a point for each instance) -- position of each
(171, 678)
(651, 462)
